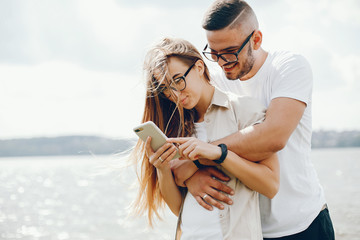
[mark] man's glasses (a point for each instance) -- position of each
(227, 57)
(177, 84)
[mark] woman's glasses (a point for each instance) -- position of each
(177, 84)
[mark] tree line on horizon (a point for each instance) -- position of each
(87, 145)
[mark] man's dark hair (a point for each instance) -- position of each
(224, 13)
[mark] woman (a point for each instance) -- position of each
(184, 104)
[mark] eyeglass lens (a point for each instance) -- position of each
(227, 57)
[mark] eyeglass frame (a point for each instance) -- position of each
(218, 56)
(178, 79)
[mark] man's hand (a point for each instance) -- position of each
(205, 182)
(183, 170)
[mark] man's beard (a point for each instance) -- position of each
(247, 66)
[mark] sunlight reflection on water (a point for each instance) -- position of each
(70, 198)
(88, 197)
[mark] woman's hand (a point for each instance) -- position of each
(193, 149)
(161, 158)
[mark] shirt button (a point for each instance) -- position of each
(207, 120)
(221, 215)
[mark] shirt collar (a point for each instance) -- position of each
(220, 98)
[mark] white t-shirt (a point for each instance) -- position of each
(300, 197)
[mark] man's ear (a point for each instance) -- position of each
(257, 39)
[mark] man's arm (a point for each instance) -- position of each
(183, 170)
(208, 177)
(262, 176)
(256, 143)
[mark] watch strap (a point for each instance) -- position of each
(198, 164)
(224, 152)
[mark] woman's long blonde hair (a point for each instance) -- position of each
(170, 117)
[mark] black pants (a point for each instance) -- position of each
(320, 229)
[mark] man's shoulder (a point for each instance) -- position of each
(237, 99)
(244, 102)
(247, 110)
(233, 97)
(286, 58)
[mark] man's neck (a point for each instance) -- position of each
(260, 57)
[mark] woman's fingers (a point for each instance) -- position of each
(179, 140)
(164, 154)
(185, 151)
(193, 155)
(170, 151)
(192, 148)
(148, 150)
(172, 155)
(187, 148)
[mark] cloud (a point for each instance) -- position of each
(104, 36)
(57, 98)
(345, 11)
(74, 66)
(348, 67)
(337, 107)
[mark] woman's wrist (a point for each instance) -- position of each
(216, 154)
(164, 171)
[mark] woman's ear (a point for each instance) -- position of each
(200, 66)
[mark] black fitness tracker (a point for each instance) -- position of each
(198, 164)
(224, 153)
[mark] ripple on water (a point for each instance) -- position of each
(48, 183)
(30, 231)
(20, 190)
(83, 183)
(13, 197)
(63, 235)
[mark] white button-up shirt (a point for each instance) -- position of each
(227, 114)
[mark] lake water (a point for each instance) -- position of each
(87, 197)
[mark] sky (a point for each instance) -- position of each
(74, 67)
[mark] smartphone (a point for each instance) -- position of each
(158, 138)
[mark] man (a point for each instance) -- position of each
(282, 81)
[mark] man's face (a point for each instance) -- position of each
(229, 41)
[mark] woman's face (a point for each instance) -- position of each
(190, 96)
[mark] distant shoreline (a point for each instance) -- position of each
(86, 145)
(65, 145)
(335, 139)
